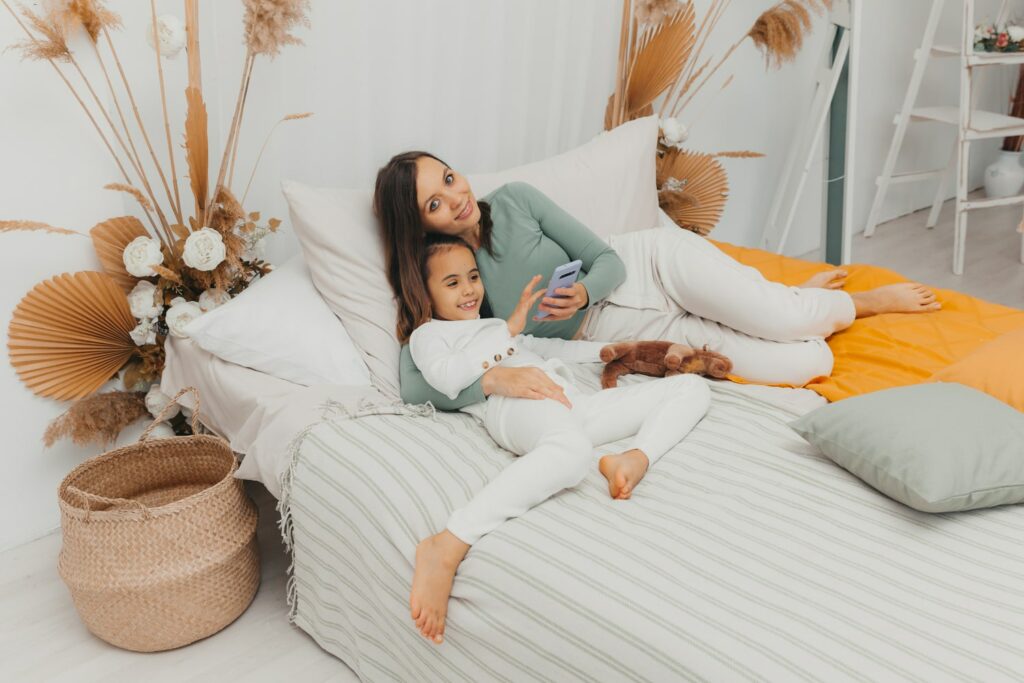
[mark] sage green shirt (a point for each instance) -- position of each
(531, 236)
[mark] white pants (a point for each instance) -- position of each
(556, 444)
(680, 287)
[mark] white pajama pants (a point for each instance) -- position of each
(680, 287)
(556, 444)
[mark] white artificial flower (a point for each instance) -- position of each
(1016, 33)
(140, 255)
(170, 32)
(983, 31)
(142, 300)
(144, 333)
(156, 400)
(673, 130)
(180, 314)
(204, 249)
(212, 298)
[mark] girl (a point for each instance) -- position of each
(664, 283)
(555, 438)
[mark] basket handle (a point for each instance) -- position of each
(90, 498)
(160, 418)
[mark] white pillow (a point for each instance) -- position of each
(608, 184)
(280, 325)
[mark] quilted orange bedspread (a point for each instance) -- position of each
(894, 349)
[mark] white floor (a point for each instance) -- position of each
(42, 639)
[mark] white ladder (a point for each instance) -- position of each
(972, 124)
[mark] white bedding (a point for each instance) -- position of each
(744, 555)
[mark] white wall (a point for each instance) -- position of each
(486, 84)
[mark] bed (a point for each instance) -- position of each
(744, 555)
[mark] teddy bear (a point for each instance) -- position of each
(659, 359)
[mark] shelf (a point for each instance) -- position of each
(976, 58)
(984, 124)
(971, 205)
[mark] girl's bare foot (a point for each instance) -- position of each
(830, 279)
(437, 559)
(623, 472)
(904, 297)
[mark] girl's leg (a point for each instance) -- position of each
(555, 454)
(660, 413)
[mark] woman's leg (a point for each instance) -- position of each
(706, 282)
(754, 359)
(555, 454)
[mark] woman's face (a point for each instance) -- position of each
(446, 202)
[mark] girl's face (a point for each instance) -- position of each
(445, 200)
(454, 285)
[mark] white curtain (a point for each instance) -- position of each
(484, 84)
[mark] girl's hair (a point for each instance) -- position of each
(397, 211)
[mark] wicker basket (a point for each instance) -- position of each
(159, 540)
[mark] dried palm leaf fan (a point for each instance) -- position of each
(693, 189)
(69, 334)
(109, 239)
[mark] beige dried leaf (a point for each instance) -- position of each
(197, 146)
(660, 58)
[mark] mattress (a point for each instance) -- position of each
(743, 555)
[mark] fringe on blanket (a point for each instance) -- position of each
(332, 411)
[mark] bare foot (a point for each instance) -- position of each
(830, 279)
(437, 559)
(904, 297)
(623, 472)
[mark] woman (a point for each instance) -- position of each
(663, 283)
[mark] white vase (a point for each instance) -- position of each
(1005, 177)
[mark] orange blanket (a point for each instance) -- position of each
(894, 349)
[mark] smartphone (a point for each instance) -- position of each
(564, 276)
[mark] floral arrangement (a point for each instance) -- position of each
(992, 38)
(662, 55)
(71, 335)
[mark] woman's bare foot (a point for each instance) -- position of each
(623, 472)
(437, 559)
(830, 279)
(904, 297)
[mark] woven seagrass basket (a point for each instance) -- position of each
(159, 539)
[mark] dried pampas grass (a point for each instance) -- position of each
(133, 191)
(49, 40)
(779, 31)
(268, 22)
(98, 418)
(738, 154)
(12, 226)
(91, 15)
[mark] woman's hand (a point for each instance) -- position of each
(570, 300)
(523, 383)
(517, 321)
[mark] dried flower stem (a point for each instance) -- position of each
(167, 124)
(241, 116)
(259, 157)
(85, 108)
(700, 84)
(233, 130)
(175, 206)
(690, 72)
(620, 73)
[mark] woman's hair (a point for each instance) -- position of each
(397, 210)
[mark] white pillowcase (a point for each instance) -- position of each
(608, 184)
(280, 325)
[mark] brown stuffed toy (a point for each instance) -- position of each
(659, 359)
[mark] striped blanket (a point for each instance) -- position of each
(744, 555)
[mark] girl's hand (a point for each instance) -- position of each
(523, 383)
(570, 300)
(517, 321)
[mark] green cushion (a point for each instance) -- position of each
(936, 447)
